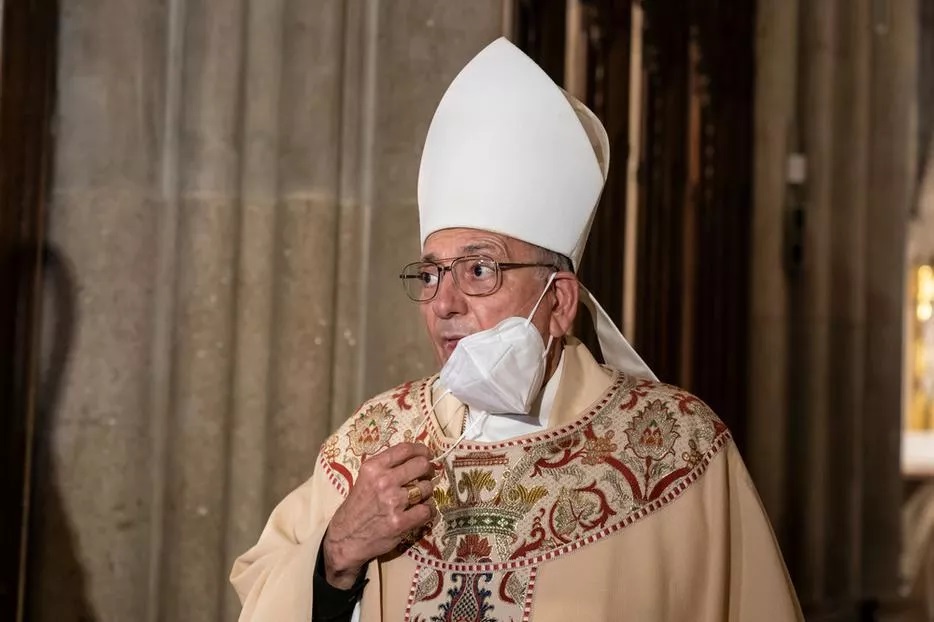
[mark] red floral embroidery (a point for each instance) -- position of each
(537, 540)
(578, 511)
(473, 548)
(330, 450)
(635, 394)
(402, 396)
(522, 502)
(653, 431)
(371, 430)
(598, 448)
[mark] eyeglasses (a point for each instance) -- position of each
(474, 275)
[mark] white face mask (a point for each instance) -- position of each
(501, 369)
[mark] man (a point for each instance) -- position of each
(525, 481)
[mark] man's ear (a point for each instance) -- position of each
(567, 293)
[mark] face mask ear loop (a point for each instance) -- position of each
(469, 429)
(424, 422)
(551, 279)
(551, 339)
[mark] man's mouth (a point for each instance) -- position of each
(450, 342)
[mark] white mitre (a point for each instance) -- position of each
(508, 151)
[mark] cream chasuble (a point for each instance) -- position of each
(632, 505)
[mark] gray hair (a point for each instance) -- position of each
(557, 259)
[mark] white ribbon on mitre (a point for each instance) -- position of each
(509, 151)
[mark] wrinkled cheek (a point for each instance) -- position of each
(436, 343)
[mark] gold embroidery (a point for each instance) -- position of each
(530, 499)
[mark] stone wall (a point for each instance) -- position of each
(234, 192)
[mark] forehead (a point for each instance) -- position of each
(448, 243)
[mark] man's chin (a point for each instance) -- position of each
(443, 355)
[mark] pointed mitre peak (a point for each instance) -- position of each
(509, 151)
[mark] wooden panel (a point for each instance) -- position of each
(605, 26)
(26, 100)
(695, 176)
(925, 90)
(540, 33)
(659, 281)
(692, 286)
(609, 23)
(724, 209)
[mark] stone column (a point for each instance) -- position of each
(775, 96)
(809, 332)
(892, 176)
(235, 188)
(826, 332)
(204, 349)
(851, 105)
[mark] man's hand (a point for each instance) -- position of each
(376, 513)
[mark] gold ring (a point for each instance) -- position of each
(415, 494)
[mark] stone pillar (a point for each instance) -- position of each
(809, 332)
(775, 96)
(842, 450)
(892, 176)
(204, 349)
(826, 332)
(255, 305)
(235, 188)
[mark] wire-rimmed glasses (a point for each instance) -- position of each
(474, 275)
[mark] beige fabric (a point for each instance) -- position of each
(918, 557)
(703, 551)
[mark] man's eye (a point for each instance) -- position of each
(482, 270)
(428, 278)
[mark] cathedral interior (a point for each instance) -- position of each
(205, 204)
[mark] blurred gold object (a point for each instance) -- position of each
(921, 401)
(415, 494)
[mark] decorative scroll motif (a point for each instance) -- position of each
(507, 507)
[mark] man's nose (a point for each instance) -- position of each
(449, 300)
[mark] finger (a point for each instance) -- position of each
(425, 487)
(404, 498)
(400, 453)
(414, 517)
(418, 467)
(431, 505)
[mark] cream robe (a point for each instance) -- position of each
(634, 505)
